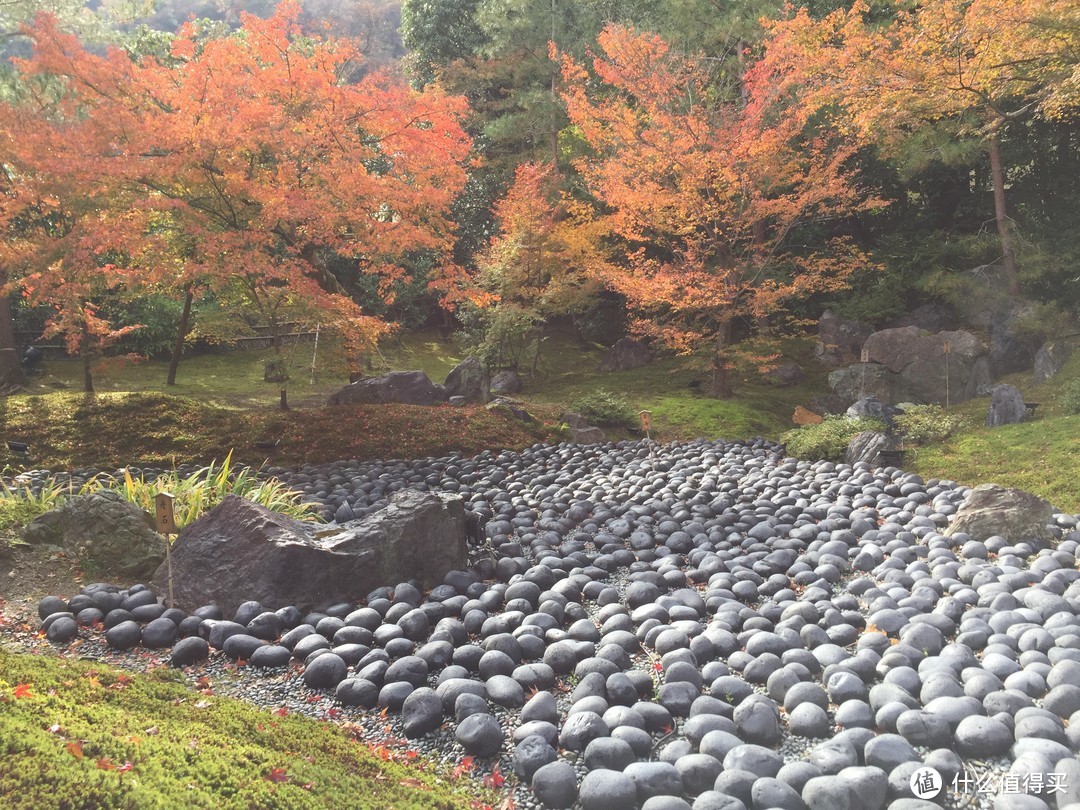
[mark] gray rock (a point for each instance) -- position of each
(480, 734)
(697, 772)
(506, 383)
(588, 435)
(530, 755)
(626, 354)
(580, 729)
(124, 636)
(918, 362)
(832, 756)
(757, 719)
(866, 446)
(605, 790)
(809, 720)
(982, 736)
(769, 792)
(869, 785)
(1006, 406)
(830, 793)
(991, 510)
(407, 387)
(654, 779)
(469, 379)
(715, 800)
(421, 712)
(240, 549)
(609, 753)
(920, 727)
(555, 784)
(1050, 359)
(102, 530)
(325, 672)
(840, 341)
(886, 751)
(755, 759)
(862, 379)
(271, 655)
(786, 374)
(188, 651)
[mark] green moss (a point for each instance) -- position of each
(1038, 456)
(86, 735)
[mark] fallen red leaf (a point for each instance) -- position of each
(22, 690)
(277, 775)
(105, 764)
(281, 711)
(75, 749)
(127, 766)
(494, 779)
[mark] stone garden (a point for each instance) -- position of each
(694, 625)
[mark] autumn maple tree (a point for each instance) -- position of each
(963, 68)
(262, 155)
(704, 201)
(534, 268)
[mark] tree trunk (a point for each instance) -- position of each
(720, 386)
(283, 400)
(181, 333)
(87, 359)
(11, 372)
(1001, 217)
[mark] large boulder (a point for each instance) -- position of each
(104, 532)
(1050, 359)
(626, 354)
(925, 368)
(840, 341)
(867, 446)
(786, 374)
(405, 387)
(991, 510)
(469, 379)
(506, 382)
(241, 551)
(1007, 406)
(862, 380)
(933, 317)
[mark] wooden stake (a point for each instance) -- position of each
(166, 525)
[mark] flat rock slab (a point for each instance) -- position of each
(991, 510)
(405, 387)
(240, 551)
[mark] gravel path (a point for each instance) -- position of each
(706, 625)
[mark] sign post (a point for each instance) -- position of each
(166, 525)
(646, 422)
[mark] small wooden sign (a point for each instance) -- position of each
(166, 520)
(865, 356)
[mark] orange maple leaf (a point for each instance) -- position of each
(75, 749)
(22, 690)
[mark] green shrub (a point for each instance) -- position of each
(827, 440)
(928, 424)
(1070, 396)
(603, 408)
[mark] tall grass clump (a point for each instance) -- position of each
(19, 503)
(206, 488)
(1070, 397)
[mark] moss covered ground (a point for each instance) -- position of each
(77, 734)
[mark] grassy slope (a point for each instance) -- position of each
(65, 743)
(231, 407)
